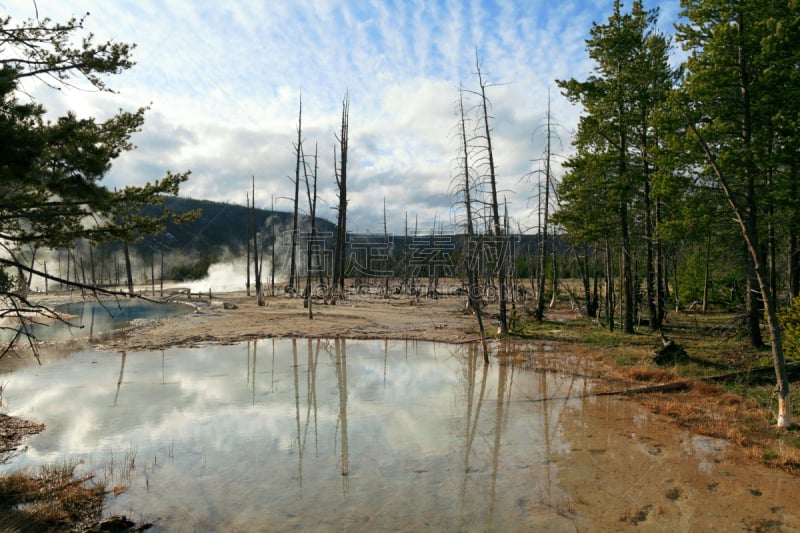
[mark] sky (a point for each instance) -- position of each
(223, 82)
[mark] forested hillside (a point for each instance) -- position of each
(221, 225)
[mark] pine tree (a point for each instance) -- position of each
(742, 125)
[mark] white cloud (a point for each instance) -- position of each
(223, 81)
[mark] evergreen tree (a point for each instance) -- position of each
(738, 98)
(51, 172)
(615, 138)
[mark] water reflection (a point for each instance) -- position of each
(331, 435)
(94, 317)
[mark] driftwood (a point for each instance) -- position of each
(669, 353)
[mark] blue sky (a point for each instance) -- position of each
(223, 80)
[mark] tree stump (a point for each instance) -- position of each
(669, 353)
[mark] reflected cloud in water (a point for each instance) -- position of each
(317, 434)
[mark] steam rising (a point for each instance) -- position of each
(230, 276)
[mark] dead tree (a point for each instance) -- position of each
(258, 259)
(544, 251)
(386, 245)
(499, 241)
(126, 252)
(298, 151)
(341, 183)
(311, 191)
(272, 248)
(470, 259)
(247, 243)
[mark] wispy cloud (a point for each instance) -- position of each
(223, 81)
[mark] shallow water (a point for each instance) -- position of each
(90, 318)
(284, 435)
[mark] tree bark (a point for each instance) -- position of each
(750, 234)
(610, 303)
(341, 182)
(706, 272)
(298, 148)
(543, 251)
(500, 240)
(628, 294)
(247, 242)
(128, 271)
(470, 261)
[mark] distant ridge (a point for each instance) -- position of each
(222, 225)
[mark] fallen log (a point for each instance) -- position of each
(672, 386)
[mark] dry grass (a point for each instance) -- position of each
(707, 409)
(653, 375)
(739, 409)
(50, 499)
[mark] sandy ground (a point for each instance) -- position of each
(235, 317)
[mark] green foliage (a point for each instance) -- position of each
(691, 277)
(192, 270)
(7, 282)
(724, 277)
(605, 196)
(51, 171)
(790, 322)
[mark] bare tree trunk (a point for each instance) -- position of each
(585, 273)
(610, 300)
(258, 258)
(293, 282)
(794, 266)
(752, 303)
(272, 250)
(312, 207)
(707, 272)
(161, 275)
(91, 264)
(247, 241)
(128, 271)
(793, 249)
(500, 240)
(661, 272)
(675, 284)
(543, 253)
(626, 268)
(470, 261)
(554, 296)
(388, 257)
(405, 255)
(341, 183)
(650, 268)
(750, 234)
